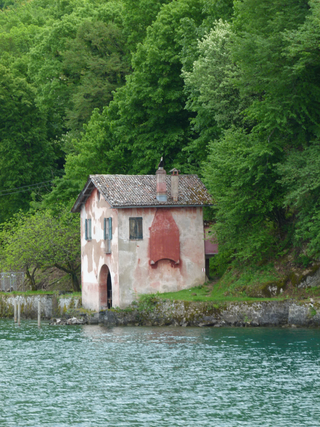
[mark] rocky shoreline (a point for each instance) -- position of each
(154, 311)
(240, 314)
(288, 313)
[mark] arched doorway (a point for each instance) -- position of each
(105, 288)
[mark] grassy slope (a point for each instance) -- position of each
(238, 285)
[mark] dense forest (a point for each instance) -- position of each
(229, 90)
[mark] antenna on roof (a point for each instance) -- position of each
(161, 164)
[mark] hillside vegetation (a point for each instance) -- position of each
(225, 89)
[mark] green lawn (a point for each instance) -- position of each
(233, 286)
(205, 293)
(31, 293)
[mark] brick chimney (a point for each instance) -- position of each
(161, 182)
(175, 184)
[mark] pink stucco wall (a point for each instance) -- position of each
(93, 255)
(129, 261)
(137, 276)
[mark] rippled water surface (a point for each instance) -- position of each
(93, 376)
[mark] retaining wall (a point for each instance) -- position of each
(51, 305)
(175, 313)
(181, 313)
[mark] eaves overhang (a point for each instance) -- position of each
(84, 195)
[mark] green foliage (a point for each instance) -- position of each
(219, 263)
(41, 240)
(95, 86)
(266, 46)
(301, 178)
(137, 16)
(6, 3)
(147, 302)
(26, 157)
(303, 260)
(77, 63)
(312, 312)
(262, 93)
(94, 64)
(73, 54)
(147, 118)
(242, 178)
(211, 89)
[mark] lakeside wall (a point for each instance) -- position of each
(159, 312)
(51, 305)
(182, 313)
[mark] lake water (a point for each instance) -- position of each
(94, 376)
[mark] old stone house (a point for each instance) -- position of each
(140, 234)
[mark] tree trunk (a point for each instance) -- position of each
(31, 279)
(75, 282)
(72, 271)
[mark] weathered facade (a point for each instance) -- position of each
(140, 234)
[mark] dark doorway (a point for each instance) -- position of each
(105, 288)
(109, 291)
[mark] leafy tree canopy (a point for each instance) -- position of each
(40, 240)
(261, 171)
(26, 157)
(147, 118)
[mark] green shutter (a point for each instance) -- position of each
(86, 229)
(110, 228)
(89, 231)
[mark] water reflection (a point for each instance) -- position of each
(146, 335)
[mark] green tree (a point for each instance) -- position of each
(253, 170)
(267, 73)
(76, 64)
(41, 240)
(242, 177)
(94, 65)
(147, 118)
(212, 91)
(300, 173)
(26, 157)
(137, 16)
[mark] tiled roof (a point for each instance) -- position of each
(122, 191)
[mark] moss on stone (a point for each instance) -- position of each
(302, 277)
(312, 312)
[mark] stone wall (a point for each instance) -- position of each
(51, 305)
(159, 312)
(181, 313)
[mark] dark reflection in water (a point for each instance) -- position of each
(94, 376)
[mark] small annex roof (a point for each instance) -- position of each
(126, 191)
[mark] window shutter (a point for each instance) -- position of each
(89, 233)
(105, 229)
(86, 229)
(110, 228)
